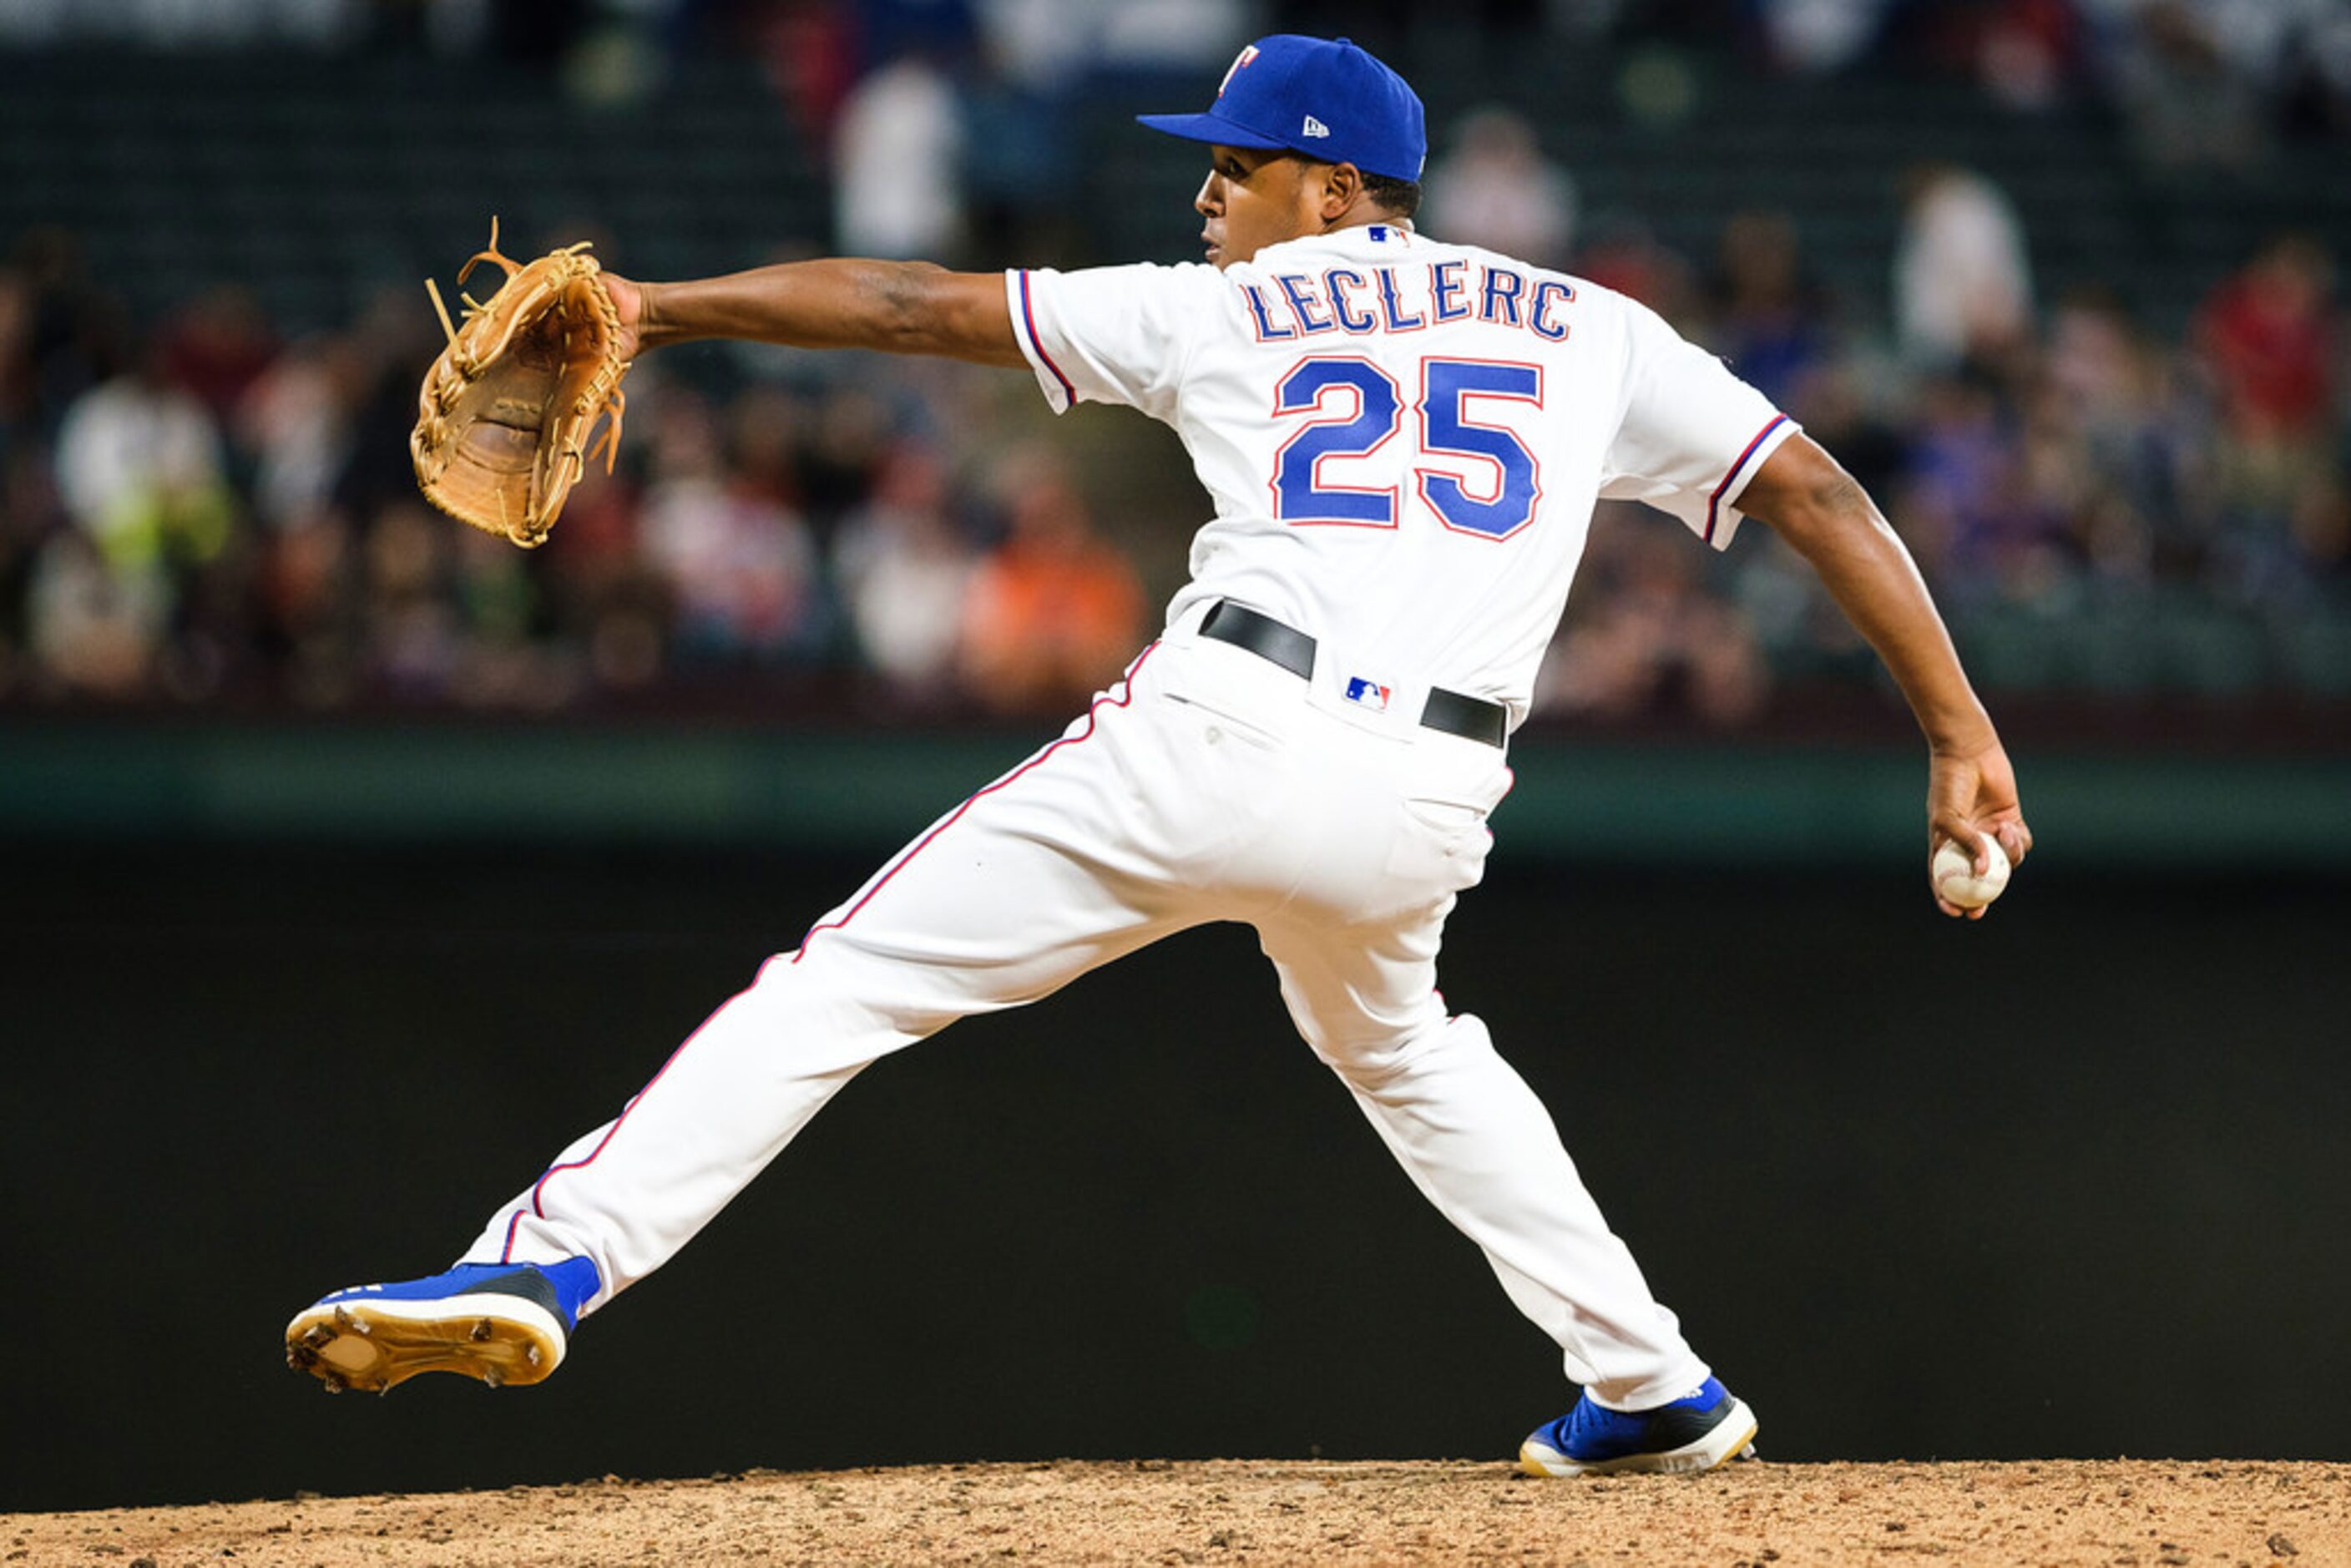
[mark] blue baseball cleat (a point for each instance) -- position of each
(502, 1322)
(1696, 1432)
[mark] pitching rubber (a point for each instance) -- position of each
(1730, 1438)
(372, 1345)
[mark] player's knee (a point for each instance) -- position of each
(1368, 1061)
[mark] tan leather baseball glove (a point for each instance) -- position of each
(505, 414)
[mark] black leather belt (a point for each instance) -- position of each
(1472, 718)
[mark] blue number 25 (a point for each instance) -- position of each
(1301, 495)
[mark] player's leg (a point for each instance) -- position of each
(1036, 879)
(1357, 965)
(999, 908)
(1479, 1145)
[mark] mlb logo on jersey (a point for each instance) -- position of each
(1367, 693)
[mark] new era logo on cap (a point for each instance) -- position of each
(1324, 97)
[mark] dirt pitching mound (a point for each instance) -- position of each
(2119, 1512)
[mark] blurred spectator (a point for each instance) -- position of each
(1957, 471)
(30, 513)
(1624, 254)
(2120, 395)
(413, 641)
(897, 165)
(607, 592)
(295, 422)
(2029, 52)
(740, 565)
(1170, 39)
(67, 336)
(305, 601)
(1053, 612)
(1770, 319)
(94, 628)
(218, 347)
(1644, 638)
(848, 441)
(2316, 100)
(1815, 37)
(905, 571)
(138, 466)
(1494, 188)
(1017, 105)
(502, 663)
(2189, 100)
(1962, 282)
(2271, 341)
(16, 351)
(808, 49)
(393, 342)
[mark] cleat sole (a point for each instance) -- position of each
(1732, 1438)
(373, 1345)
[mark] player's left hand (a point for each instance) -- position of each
(1970, 793)
(629, 302)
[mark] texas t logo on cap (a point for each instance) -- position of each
(1249, 53)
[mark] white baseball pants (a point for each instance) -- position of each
(1210, 784)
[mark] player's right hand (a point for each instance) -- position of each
(1972, 793)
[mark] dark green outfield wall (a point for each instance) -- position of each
(1681, 804)
(2068, 1181)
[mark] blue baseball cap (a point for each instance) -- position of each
(1323, 97)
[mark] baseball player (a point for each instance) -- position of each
(1403, 441)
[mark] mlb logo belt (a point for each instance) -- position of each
(1472, 718)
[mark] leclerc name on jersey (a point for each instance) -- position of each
(1347, 299)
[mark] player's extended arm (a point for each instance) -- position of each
(902, 306)
(1814, 505)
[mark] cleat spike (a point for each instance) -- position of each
(452, 1323)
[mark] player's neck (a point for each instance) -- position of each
(1363, 216)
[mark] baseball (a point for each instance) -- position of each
(1954, 874)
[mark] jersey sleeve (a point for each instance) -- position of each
(1113, 334)
(1693, 434)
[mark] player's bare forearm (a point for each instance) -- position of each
(1815, 506)
(898, 307)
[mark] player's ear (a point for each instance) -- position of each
(1342, 184)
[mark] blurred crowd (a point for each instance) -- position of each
(198, 508)
(207, 513)
(2100, 508)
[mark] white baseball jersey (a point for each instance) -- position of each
(1404, 439)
